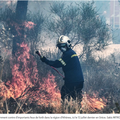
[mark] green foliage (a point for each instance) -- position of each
(63, 18)
(91, 30)
(38, 20)
(82, 23)
(33, 35)
(7, 14)
(6, 17)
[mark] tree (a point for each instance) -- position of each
(33, 35)
(13, 21)
(5, 28)
(63, 18)
(18, 27)
(82, 23)
(18, 31)
(91, 30)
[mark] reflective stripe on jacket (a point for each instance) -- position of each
(70, 65)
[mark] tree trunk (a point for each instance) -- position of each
(21, 11)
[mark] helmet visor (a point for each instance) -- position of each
(61, 45)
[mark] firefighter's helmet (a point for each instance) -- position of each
(64, 41)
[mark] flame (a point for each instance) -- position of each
(20, 26)
(93, 103)
(47, 93)
(30, 25)
(25, 82)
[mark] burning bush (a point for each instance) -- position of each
(25, 82)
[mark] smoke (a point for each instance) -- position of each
(25, 82)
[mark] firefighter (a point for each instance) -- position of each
(73, 81)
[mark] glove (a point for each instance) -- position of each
(43, 59)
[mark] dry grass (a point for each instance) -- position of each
(100, 81)
(71, 106)
(88, 105)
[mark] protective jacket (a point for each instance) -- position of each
(70, 65)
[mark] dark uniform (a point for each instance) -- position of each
(72, 71)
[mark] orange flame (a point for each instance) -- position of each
(25, 82)
(47, 93)
(20, 26)
(30, 25)
(93, 103)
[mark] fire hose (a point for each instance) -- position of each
(37, 52)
